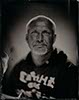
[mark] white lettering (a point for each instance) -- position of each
(35, 78)
(30, 85)
(33, 90)
(28, 93)
(38, 94)
(23, 76)
(28, 77)
(44, 97)
(43, 79)
(51, 82)
(37, 86)
(34, 85)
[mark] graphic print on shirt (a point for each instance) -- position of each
(35, 83)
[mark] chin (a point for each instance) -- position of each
(40, 52)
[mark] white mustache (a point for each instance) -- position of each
(39, 44)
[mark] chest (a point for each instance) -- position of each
(38, 82)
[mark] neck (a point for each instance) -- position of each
(40, 59)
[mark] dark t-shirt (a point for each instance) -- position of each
(56, 78)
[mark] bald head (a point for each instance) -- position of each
(34, 21)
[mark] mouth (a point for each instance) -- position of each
(39, 45)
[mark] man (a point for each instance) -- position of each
(45, 74)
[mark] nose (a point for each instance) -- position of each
(40, 37)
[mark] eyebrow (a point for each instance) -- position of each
(34, 31)
(46, 32)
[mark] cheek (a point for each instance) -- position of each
(48, 39)
(32, 38)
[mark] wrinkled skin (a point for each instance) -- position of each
(40, 38)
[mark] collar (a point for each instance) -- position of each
(52, 58)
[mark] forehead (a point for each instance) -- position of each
(40, 22)
(40, 26)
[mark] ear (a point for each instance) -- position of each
(27, 38)
(54, 38)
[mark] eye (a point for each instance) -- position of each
(34, 33)
(46, 33)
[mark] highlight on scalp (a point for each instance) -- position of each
(41, 18)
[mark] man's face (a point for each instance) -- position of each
(40, 38)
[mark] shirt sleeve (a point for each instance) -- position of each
(9, 85)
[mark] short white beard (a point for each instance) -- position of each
(39, 53)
